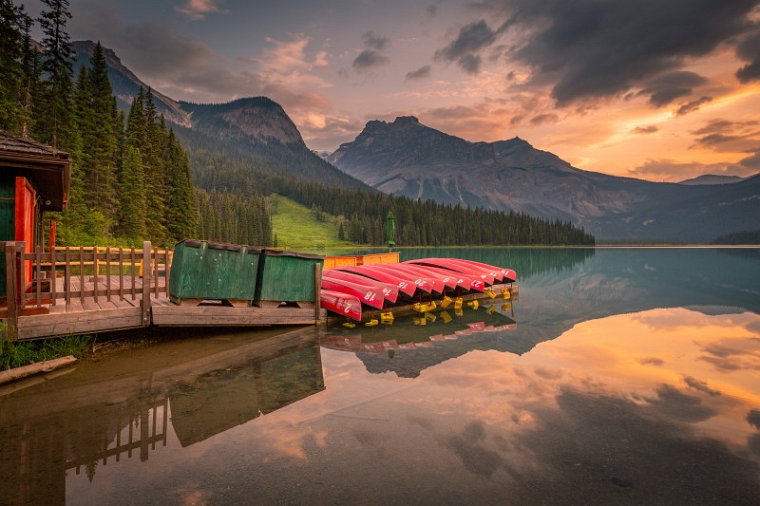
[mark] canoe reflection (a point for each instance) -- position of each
(415, 342)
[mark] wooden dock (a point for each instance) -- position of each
(89, 290)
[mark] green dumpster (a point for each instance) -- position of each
(210, 270)
(285, 276)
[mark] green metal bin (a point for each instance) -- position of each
(285, 276)
(210, 270)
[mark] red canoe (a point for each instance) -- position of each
(464, 281)
(507, 275)
(389, 290)
(341, 303)
(454, 265)
(366, 294)
(417, 274)
(448, 278)
(404, 284)
(425, 283)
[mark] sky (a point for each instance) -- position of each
(659, 90)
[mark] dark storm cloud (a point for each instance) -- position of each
(644, 130)
(753, 418)
(669, 86)
(725, 135)
(587, 49)
(375, 41)
(470, 40)
(544, 118)
(676, 404)
(692, 106)
(752, 161)
(369, 59)
(470, 63)
(748, 49)
(420, 73)
(700, 385)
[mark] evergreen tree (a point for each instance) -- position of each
(12, 26)
(131, 223)
(181, 215)
(56, 128)
(99, 137)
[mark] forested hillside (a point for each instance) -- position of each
(130, 178)
(363, 212)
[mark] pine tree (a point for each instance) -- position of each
(131, 221)
(57, 128)
(181, 217)
(12, 25)
(99, 137)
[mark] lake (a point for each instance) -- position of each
(618, 376)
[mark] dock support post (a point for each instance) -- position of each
(11, 290)
(317, 290)
(146, 277)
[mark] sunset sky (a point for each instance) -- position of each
(661, 90)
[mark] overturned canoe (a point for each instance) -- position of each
(365, 293)
(404, 284)
(341, 303)
(389, 290)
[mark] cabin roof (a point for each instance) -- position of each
(49, 168)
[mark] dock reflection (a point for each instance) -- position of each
(46, 433)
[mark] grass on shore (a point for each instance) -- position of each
(18, 354)
(296, 226)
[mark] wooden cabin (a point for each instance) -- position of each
(34, 178)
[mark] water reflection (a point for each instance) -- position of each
(632, 378)
(46, 434)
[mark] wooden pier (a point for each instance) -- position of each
(81, 290)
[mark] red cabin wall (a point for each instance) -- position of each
(25, 210)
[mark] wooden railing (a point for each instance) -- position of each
(89, 274)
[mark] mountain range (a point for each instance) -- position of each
(405, 157)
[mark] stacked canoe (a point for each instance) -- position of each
(346, 289)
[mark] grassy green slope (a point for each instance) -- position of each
(296, 226)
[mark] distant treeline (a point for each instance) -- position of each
(744, 237)
(233, 217)
(363, 213)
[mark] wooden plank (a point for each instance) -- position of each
(167, 262)
(121, 273)
(11, 321)
(317, 288)
(108, 273)
(209, 316)
(132, 271)
(38, 274)
(67, 274)
(146, 264)
(80, 322)
(155, 265)
(95, 270)
(54, 273)
(81, 273)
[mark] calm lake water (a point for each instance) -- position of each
(619, 376)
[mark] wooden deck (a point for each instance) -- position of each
(107, 314)
(129, 292)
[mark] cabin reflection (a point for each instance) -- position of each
(48, 433)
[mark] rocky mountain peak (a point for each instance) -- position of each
(257, 118)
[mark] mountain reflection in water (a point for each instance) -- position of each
(619, 376)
